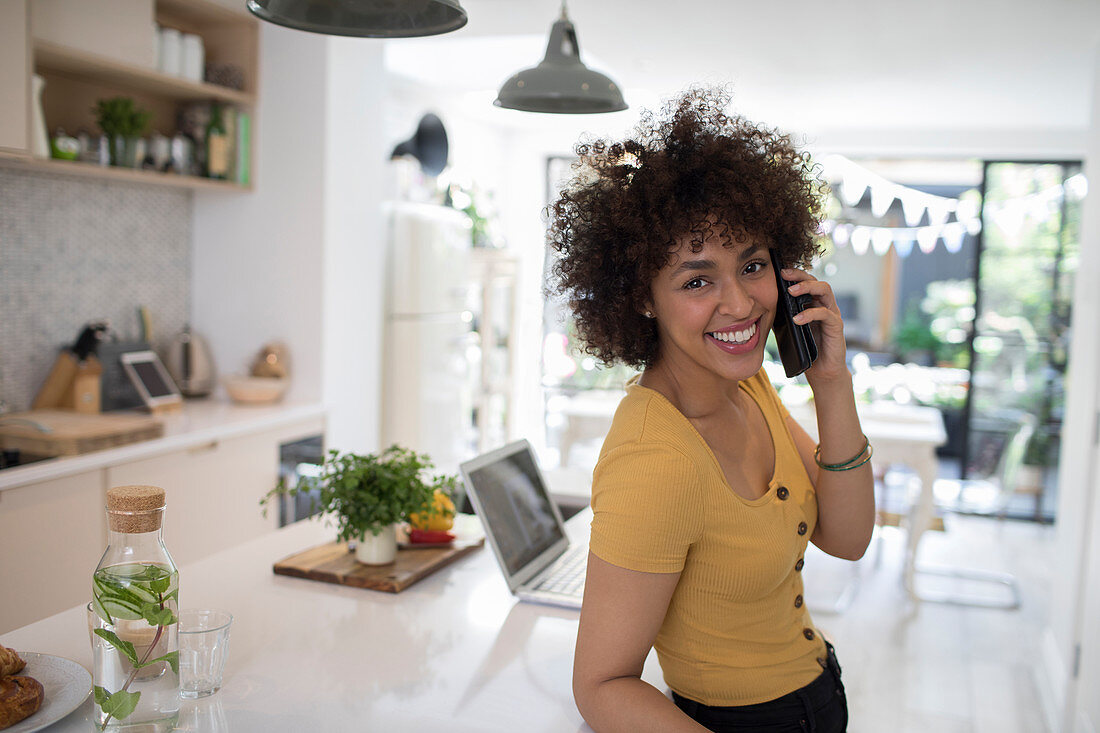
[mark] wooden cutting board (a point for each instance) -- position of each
(72, 433)
(335, 563)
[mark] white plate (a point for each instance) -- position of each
(66, 685)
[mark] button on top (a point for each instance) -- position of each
(802, 527)
(798, 601)
(782, 493)
(808, 633)
(798, 565)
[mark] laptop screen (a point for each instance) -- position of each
(515, 504)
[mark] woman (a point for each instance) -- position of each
(706, 491)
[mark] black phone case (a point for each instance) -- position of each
(797, 348)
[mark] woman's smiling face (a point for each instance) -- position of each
(714, 308)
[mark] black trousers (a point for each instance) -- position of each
(819, 707)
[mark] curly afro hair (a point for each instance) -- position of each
(618, 219)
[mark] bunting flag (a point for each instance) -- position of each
(861, 239)
(926, 238)
(902, 239)
(881, 239)
(953, 236)
(905, 246)
(853, 186)
(841, 234)
(946, 218)
(913, 208)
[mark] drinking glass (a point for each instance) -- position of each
(204, 646)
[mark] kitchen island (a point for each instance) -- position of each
(454, 652)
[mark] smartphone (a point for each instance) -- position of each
(797, 348)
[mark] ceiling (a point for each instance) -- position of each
(799, 64)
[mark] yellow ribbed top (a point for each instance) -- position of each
(736, 631)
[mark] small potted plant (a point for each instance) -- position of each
(369, 494)
(122, 123)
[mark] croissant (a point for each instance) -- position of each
(20, 697)
(10, 662)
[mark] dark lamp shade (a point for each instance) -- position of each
(363, 18)
(561, 84)
(428, 145)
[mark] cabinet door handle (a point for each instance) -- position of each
(204, 448)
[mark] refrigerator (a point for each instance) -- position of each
(426, 385)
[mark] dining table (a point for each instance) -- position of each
(900, 434)
(455, 651)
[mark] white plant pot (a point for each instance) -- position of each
(378, 549)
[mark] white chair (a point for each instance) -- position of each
(984, 496)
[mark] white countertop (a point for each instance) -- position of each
(453, 652)
(197, 422)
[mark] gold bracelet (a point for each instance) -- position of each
(858, 460)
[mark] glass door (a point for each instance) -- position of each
(1024, 275)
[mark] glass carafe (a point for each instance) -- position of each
(133, 617)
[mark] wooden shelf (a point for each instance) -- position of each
(83, 66)
(91, 170)
(77, 60)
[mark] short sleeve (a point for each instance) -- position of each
(647, 508)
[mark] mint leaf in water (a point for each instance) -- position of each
(173, 659)
(123, 646)
(156, 616)
(121, 704)
(160, 584)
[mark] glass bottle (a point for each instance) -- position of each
(133, 617)
(217, 145)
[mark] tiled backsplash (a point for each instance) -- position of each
(73, 251)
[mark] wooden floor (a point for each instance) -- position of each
(930, 667)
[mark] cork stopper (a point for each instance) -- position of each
(135, 509)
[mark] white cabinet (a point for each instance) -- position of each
(213, 490)
(15, 76)
(52, 534)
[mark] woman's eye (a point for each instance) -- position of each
(754, 267)
(694, 283)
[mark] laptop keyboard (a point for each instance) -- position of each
(566, 576)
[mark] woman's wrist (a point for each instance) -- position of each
(835, 387)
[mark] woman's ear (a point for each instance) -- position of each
(648, 309)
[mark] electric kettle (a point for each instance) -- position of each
(190, 364)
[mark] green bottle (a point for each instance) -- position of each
(218, 148)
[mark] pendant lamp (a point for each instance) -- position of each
(428, 145)
(363, 18)
(561, 83)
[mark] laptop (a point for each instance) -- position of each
(524, 527)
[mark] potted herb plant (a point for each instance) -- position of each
(122, 123)
(369, 494)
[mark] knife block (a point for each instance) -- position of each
(71, 385)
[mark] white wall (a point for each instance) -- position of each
(299, 259)
(1075, 607)
(257, 264)
(354, 243)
